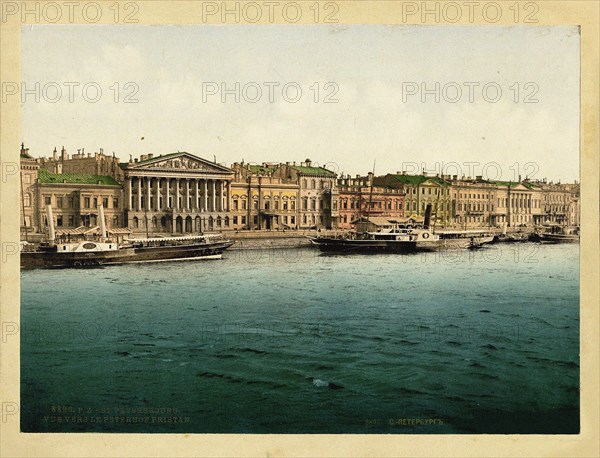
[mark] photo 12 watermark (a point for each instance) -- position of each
(469, 91)
(427, 12)
(70, 12)
(269, 92)
(70, 92)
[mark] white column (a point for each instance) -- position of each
(129, 195)
(187, 194)
(205, 196)
(176, 203)
(166, 193)
(148, 188)
(139, 195)
(157, 194)
(214, 196)
(196, 200)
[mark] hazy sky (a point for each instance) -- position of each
(375, 69)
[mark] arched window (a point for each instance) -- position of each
(304, 184)
(313, 184)
(27, 200)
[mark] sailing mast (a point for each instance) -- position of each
(371, 192)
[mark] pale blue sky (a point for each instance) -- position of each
(369, 64)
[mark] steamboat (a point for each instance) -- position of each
(104, 251)
(403, 240)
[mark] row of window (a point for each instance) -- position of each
(323, 184)
(355, 204)
(76, 221)
(241, 204)
(72, 202)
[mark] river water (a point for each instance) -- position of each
(292, 341)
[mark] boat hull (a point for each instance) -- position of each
(331, 245)
(44, 259)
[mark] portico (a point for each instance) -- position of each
(176, 193)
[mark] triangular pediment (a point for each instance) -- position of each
(520, 187)
(179, 162)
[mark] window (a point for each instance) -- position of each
(255, 220)
(105, 202)
(313, 204)
(304, 184)
(235, 220)
(293, 203)
(59, 202)
(313, 184)
(243, 220)
(95, 202)
(71, 220)
(47, 200)
(276, 203)
(27, 178)
(27, 200)
(227, 221)
(236, 205)
(243, 205)
(304, 203)
(285, 204)
(267, 204)
(115, 202)
(292, 219)
(59, 220)
(255, 204)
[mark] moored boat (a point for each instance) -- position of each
(402, 240)
(104, 251)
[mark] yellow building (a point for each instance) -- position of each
(261, 199)
(75, 199)
(421, 190)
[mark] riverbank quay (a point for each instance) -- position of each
(259, 240)
(265, 239)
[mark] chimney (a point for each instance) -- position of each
(89, 154)
(54, 154)
(479, 177)
(308, 162)
(150, 156)
(519, 178)
(22, 148)
(143, 157)
(135, 160)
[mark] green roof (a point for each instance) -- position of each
(312, 170)
(416, 179)
(75, 178)
(260, 169)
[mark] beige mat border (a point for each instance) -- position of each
(13, 443)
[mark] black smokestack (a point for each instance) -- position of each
(427, 216)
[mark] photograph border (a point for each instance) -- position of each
(14, 443)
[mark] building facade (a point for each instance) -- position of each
(261, 199)
(317, 196)
(356, 199)
(176, 193)
(73, 197)
(420, 191)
